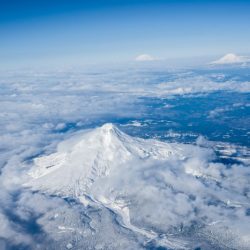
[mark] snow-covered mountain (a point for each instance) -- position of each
(163, 191)
(96, 154)
(231, 59)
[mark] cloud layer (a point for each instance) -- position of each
(40, 109)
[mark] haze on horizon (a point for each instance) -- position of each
(38, 33)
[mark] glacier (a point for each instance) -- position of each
(172, 195)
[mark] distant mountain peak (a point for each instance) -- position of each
(231, 58)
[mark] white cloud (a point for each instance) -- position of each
(194, 84)
(231, 59)
(144, 58)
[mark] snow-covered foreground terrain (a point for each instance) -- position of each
(168, 195)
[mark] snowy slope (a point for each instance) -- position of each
(79, 162)
(159, 190)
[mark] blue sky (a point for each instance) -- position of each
(79, 32)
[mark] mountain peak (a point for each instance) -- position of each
(108, 135)
(82, 160)
(231, 58)
(109, 128)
